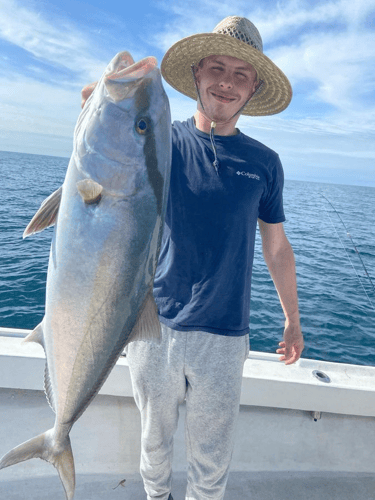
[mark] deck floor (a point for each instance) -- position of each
(249, 485)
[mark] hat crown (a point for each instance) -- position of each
(242, 29)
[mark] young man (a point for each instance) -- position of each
(222, 182)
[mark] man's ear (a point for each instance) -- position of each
(196, 73)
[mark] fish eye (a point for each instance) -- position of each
(142, 125)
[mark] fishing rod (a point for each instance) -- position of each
(347, 253)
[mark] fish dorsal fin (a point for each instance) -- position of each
(147, 326)
(46, 215)
(36, 335)
(90, 191)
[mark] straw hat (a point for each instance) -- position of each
(237, 37)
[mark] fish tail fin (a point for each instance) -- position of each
(43, 447)
(64, 464)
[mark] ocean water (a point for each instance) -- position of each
(337, 301)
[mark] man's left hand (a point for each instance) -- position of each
(86, 92)
(292, 346)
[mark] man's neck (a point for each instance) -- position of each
(204, 125)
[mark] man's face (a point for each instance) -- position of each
(225, 83)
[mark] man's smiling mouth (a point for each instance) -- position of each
(222, 98)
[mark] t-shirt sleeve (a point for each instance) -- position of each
(271, 208)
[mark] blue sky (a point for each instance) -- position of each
(50, 49)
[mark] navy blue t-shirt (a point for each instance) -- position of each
(203, 278)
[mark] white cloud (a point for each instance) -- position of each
(338, 56)
(27, 105)
(321, 46)
(288, 16)
(59, 43)
(341, 65)
(36, 99)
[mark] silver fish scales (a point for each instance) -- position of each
(108, 218)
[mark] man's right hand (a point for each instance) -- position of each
(86, 92)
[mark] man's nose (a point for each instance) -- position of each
(226, 81)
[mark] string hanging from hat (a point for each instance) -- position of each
(216, 163)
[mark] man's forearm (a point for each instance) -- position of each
(281, 265)
(279, 258)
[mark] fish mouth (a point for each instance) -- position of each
(124, 79)
(135, 71)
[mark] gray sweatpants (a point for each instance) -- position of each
(206, 369)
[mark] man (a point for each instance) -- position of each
(222, 182)
(219, 187)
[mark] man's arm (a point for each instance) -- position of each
(279, 258)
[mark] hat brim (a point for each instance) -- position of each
(275, 93)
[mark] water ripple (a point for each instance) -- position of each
(336, 315)
(337, 319)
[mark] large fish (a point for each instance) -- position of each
(108, 218)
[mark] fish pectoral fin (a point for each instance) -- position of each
(147, 326)
(90, 191)
(46, 215)
(36, 335)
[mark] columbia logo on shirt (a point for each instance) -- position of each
(247, 174)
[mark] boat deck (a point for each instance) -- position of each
(299, 437)
(241, 486)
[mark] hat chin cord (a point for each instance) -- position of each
(213, 122)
